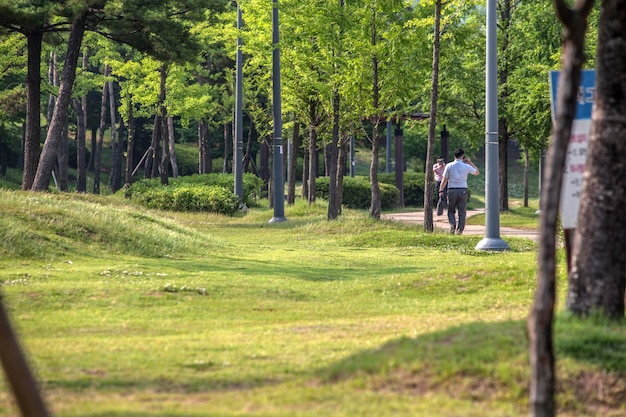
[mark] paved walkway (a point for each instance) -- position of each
(441, 222)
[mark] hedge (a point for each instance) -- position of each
(200, 192)
(357, 192)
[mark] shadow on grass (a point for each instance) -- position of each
(489, 361)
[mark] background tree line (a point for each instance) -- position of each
(149, 76)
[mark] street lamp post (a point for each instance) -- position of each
(277, 156)
(492, 240)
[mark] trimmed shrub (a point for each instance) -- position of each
(413, 186)
(357, 192)
(194, 198)
(252, 185)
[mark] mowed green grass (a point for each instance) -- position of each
(130, 312)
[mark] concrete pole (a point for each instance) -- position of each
(492, 240)
(238, 154)
(278, 183)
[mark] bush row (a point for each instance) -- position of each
(357, 192)
(413, 186)
(200, 192)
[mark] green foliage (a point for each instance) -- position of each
(214, 198)
(413, 186)
(357, 192)
(152, 193)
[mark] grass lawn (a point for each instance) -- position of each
(129, 312)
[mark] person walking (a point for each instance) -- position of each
(438, 168)
(455, 178)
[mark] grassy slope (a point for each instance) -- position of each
(127, 312)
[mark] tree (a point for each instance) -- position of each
(377, 85)
(432, 122)
(59, 117)
(535, 41)
(32, 22)
(597, 277)
(541, 353)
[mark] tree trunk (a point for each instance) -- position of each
(32, 136)
(375, 207)
(248, 158)
(130, 145)
(293, 164)
(432, 124)
(526, 171)
(156, 136)
(597, 278)
(115, 181)
(264, 158)
(53, 79)
(172, 144)
(503, 156)
(163, 122)
(333, 197)
(541, 353)
(341, 170)
(204, 148)
(94, 145)
(305, 172)
(97, 158)
(227, 147)
(63, 159)
(59, 118)
(17, 371)
(503, 127)
(81, 137)
(312, 188)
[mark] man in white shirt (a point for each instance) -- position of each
(455, 177)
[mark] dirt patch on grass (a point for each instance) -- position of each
(589, 393)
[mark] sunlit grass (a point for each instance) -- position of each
(308, 317)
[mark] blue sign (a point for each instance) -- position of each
(585, 96)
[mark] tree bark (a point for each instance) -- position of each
(81, 137)
(541, 353)
(293, 164)
(59, 118)
(97, 158)
(305, 172)
(526, 170)
(341, 169)
(375, 206)
(19, 376)
(115, 181)
(503, 127)
(333, 198)
(248, 157)
(597, 277)
(313, 161)
(227, 147)
(163, 171)
(154, 166)
(130, 145)
(432, 124)
(32, 137)
(63, 159)
(172, 144)
(264, 164)
(204, 148)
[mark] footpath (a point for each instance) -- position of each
(441, 222)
